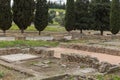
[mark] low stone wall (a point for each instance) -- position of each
(6, 51)
(92, 49)
(20, 38)
(42, 52)
(92, 62)
(88, 37)
(82, 59)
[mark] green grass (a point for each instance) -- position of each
(20, 43)
(55, 29)
(30, 28)
(51, 28)
(108, 77)
(1, 74)
(58, 10)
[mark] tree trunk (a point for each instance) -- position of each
(39, 32)
(81, 31)
(22, 31)
(69, 33)
(101, 31)
(4, 32)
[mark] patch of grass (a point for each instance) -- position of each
(33, 62)
(26, 43)
(108, 77)
(31, 28)
(14, 27)
(52, 28)
(1, 74)
(55, 29)
(100, 77)
(58, 10)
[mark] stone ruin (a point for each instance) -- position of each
(41, 51)
(102, 67)
(77, 58)
(87, 61)
(88, 48)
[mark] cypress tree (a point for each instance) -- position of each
(5, 15)
(81, 12)
(115, 17)
(23, 13)
(101, 15)
(98, 1)
(70, 15)
(41, 15)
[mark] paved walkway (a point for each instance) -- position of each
(102, 57)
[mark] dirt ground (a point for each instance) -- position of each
(8, 74)
(50, 67)
(102, 57)
(15, 33)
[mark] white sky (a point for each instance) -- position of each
(48, 0)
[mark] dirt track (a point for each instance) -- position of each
(102, 57)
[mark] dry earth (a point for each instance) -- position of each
(102, 57)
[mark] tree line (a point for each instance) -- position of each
(23, 13)
(55, 5)
(102, 15)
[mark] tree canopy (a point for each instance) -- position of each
(23, 13)
(115, 17)
(70, 15)
(41, 15)
(5, 15)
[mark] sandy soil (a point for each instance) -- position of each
(102, 57)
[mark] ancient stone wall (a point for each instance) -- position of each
(42, 52)
(89, 61)
(7, 51)
(83, 36)
(92, 49)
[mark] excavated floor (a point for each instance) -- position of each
(18, 57)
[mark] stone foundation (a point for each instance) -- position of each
(20, 38)
(89, 61)
(42, 52)
(88, 37)
(92, 49)
(6, 51)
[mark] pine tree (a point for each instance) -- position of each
(41, 15)
(70, 15)
(115, 17)
(23, 13)
(5, 15)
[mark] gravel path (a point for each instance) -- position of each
(102, 57)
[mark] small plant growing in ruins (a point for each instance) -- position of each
(108, 77)
(100, 77)
(71, 77)
(33, 62)
(116, 77)
(1, 74)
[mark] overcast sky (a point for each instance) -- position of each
(50, 0)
